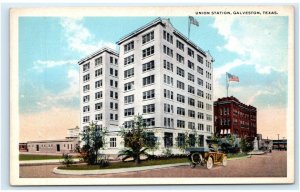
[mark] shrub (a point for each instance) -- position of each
(103, 161)
(67, 160)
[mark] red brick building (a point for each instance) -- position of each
(234, 117)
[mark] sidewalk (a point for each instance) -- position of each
(42, 162)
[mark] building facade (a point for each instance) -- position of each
(99, 84)
(234, 117)
(53, 146)
(164, 77)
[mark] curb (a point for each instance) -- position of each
(109, 171)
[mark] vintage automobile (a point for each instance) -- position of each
(206, 157)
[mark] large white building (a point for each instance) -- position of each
(164, 77)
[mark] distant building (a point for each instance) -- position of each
(53, 146)
(233, 117)
(280, 144)
(73, 133)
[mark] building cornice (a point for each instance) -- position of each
(104, 49)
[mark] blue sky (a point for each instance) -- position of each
(253, 48)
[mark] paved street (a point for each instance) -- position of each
(268, 165)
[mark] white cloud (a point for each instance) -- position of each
(80, 39)
(40, 65)
(260, 41)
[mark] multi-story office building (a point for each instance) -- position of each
(234, 117)
(99, 82)
(168, 80)
(163, 76)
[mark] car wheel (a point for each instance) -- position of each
(192, 165)
(224, 161)
(209, 163)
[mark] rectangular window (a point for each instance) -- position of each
(148, 37)
(180, 85)
(191, 113)
(129, 46)
(191, 65)
(180, 124)
(148, 51)
(98, 72)
(149, 108)
(180, 98)
(191, 89)
(191, 101)
(111, 71)
(180, 111)
(86, 67)
(200, 59)
(168, 65)
(168, 51)
(111, 83)
(128, 60)
(168, 94)
(86, 77)
(86, 98)
(192, 140)
(86, 119)
(200, 104)
(200, 93)
(148, 80)
(168, 122)
(208, 117)
(168, 139)
(200, 127)
(98, 95)
(149, 122)
(168, 80)
(116, 61)
(86, 88)
(129, 73)
(190, 52)
(191, 125)
(86, 108)
(208, 128)
(128, 112)
(116, 84)
(200, 81)
(129, 99)
(98, 117)
(191, 77)
(111, 60)
(116, 117)
(128, 124)
(98, 106)
(111, 105)
(180, 72)
(208, 107)
(98, 84)
(148, 66)
(179, 45)
(111, 94)
(111, 116)
(129, 86)
(180, 58)
(168, 108)
(200, 115)
(113, 142)
(149, 94)
(200, 70)
(167, 36)
(98, 61)
(116, 73)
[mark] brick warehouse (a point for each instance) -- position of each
(234, 117)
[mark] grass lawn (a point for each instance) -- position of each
(27, 157)
(117, 165)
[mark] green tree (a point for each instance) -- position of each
(246, 144)
(93, 140)
(137, 140)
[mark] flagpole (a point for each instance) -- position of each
(227, 83)
(189, 27)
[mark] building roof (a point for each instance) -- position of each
(52, 141)
(103, 49)
(160, 21)
(226, 100)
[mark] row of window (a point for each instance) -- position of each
(99, 61)
(99, 117)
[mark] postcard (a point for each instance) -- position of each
(152, 95)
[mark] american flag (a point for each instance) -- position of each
(232, 77)
(194, 21)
